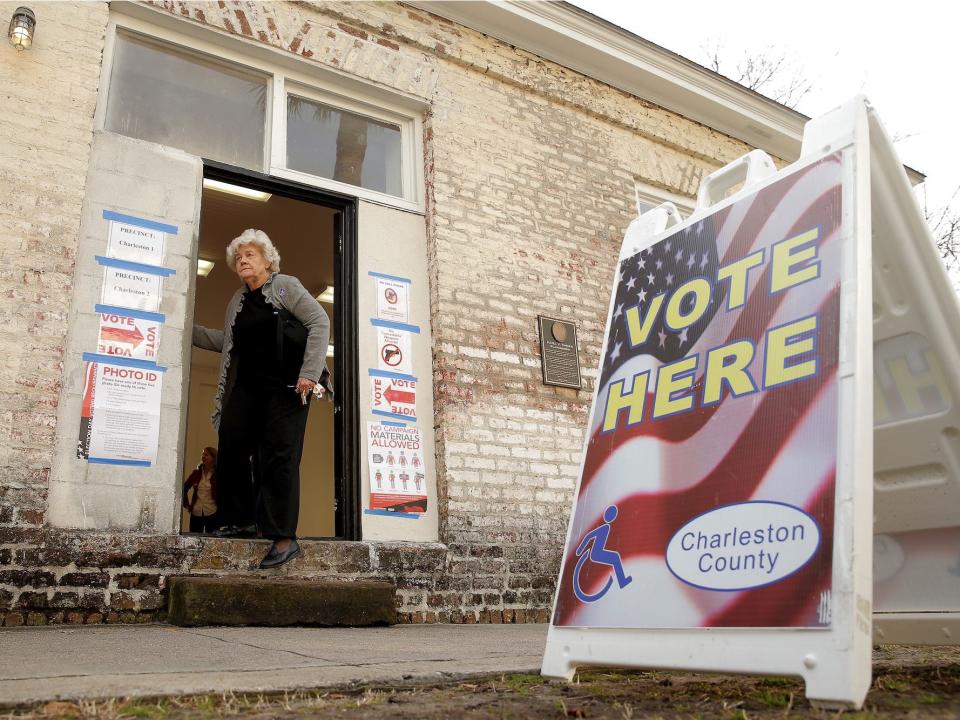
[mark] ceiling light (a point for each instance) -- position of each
(237, 190)
(204, 267)
(326, 296)
(21, 28)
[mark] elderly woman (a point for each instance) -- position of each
(263, 395)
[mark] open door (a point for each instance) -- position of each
(307, 227)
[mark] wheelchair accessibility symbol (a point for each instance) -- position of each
(592, 548)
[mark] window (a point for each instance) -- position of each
(208, 95)
(343, 146)
(173, 97)
(648, 197)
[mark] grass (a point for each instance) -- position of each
(602, 694)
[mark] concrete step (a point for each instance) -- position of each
(204, 600)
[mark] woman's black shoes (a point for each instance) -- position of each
(236, 531)
(275, 558)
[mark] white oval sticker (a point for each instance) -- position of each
(742, 546)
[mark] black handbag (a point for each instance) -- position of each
(291, 346)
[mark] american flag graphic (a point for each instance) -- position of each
(778, 444)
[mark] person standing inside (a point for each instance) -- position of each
(273, 352)
(200, 494)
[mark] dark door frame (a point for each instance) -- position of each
(346, 405)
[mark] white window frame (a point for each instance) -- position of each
(288, 85)
(283, 70)
(652, 195)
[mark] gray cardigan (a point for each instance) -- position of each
(281, 291)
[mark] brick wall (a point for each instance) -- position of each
(46, 122)
(530, 170)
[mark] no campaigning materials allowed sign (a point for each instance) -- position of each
(397, 470)
(720, 379)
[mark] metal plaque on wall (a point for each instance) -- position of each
(559, 358)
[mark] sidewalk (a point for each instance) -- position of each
(102, 661)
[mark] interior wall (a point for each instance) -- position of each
(316, 468)
(303, 234)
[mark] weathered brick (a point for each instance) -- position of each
(30, 517)
(33, 600)
(85, 579)
(70, 600)
(126, 581)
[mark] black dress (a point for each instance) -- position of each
(261, 430)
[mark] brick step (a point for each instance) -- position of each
(205, 600)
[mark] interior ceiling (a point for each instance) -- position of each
(302, 232)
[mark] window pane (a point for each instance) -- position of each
(205, 107)
(343, 146)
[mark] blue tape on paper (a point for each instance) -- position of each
(391, 513)
(136, 267)
(373, 372)
(127, 312)
(392, 424)
(395, 325)
(115, 461)
(139, 222)
(395, 416)
(371, 273)
(124, 361)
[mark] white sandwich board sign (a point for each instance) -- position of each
(724, 515)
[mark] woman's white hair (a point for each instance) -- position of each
(262, 241)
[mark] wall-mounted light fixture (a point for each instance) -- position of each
(21, 28)
(204, 267)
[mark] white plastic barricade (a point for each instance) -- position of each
(724, 516)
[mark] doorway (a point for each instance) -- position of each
(310, 229)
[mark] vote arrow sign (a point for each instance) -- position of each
(399, 396)
(115, 334)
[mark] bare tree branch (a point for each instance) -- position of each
(767, 72)
(945, 227)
